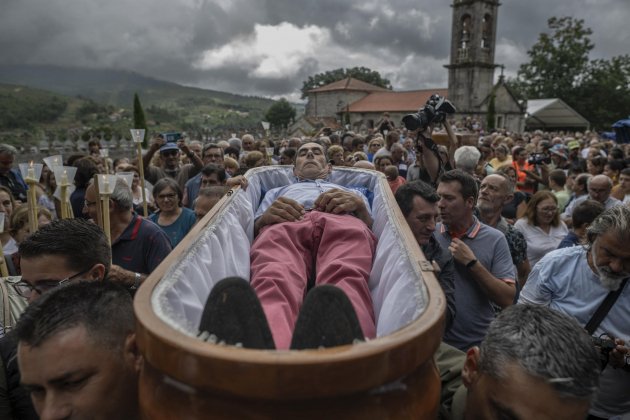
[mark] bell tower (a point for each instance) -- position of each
(471, 68)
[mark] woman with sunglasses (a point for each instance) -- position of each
(171, 217)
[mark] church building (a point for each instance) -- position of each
(356, 105)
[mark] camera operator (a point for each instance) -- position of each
(429, 163)
(170, 159)
(590, 284)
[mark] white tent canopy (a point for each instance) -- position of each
(553, 113)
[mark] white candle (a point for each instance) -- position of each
(105, 185)
(64, 178)
(31, 171)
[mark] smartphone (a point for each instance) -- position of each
(172, 137)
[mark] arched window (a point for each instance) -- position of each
(464, 34)
(486, 31)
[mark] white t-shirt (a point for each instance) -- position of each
(539, 243)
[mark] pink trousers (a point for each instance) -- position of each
(334, 249)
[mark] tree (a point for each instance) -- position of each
(492, 113)
(559, 67)
(361, 73)
(139, 121)
(280, 114)
(558, 61)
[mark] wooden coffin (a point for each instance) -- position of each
(392, 376)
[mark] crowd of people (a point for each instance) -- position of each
(525, 232)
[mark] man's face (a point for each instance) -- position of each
(493, 194)
(204, 204)
(46, 271)
(285, 160)
(599, 190)
(519, 396)
(6, 162)
(421, 219)
(6, 207)
(170, 158)
(214, 156)
(624, 182)
(248, 144)
(209, 180)
(70, 375)
(382, 164)
(453, 208)
(610, 258)
(310, 162)
(90, 203)
(397, 154)
(196, 149)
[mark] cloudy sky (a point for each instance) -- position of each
(268, 47)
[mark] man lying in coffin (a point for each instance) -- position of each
(310, 235)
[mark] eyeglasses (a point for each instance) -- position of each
(26, 289)
(548, 209)
(170, 196)
(170, 153)
(212, 156)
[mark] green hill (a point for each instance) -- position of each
(105, 97)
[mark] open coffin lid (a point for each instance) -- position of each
(408, 304)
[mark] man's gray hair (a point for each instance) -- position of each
(615, 219)
(8, 149)
(466, 158)
(122, 195)
(536, 338)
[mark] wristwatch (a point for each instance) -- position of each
(471, 263)
(136, 281)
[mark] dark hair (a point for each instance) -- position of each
(209, 146)
(80, 241)
(165, 183)
(582, 180)
(407, 192)
(210, 169)
(290, 153)
(616, 165)
(558, 176)
(86, 169)
(105, 309)
(231, 151)
(625, 172)
(616, 153)
(586, 212)
(467, 184)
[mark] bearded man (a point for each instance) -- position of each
(579, 281)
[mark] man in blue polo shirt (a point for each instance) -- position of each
(138, 245)
(484, 273)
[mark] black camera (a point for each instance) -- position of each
(538, 158)
(605, 345)
(433, 112)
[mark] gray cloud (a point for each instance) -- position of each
(406, 40)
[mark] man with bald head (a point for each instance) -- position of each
(599, 189)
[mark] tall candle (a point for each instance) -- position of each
(105, 185)
(64, 178)
(31, 171)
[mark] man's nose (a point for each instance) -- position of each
(55, 409)
(616, 265)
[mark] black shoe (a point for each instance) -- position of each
(327, 319)
(233, 315)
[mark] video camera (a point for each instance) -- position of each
(538, 158)
(434, 111)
